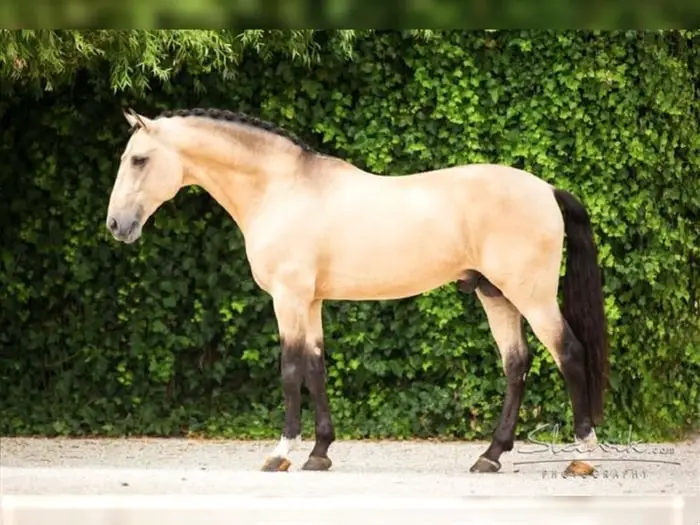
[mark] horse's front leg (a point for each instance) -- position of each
(292, 322)
(315, 377)
(301, 337)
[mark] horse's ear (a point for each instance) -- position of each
(135, 120)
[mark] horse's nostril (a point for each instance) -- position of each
(113, 225)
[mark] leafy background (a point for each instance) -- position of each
(170, 336)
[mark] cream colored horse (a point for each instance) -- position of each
(317, 228)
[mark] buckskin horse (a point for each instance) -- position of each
(318, 228)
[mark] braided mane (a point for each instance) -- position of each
(238, 118)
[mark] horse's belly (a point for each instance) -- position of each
(385, 290)
(392, 270)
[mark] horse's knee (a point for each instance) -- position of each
(292, 366)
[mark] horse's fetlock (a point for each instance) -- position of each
(325, 432)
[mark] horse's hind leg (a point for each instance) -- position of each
(551, 328)
(506, 326)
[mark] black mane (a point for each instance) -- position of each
(239, 118)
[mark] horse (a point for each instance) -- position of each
(317, 228)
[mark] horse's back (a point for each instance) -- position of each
(419, 231)
(501, 197)
(493, 200)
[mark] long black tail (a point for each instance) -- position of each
(583, 306)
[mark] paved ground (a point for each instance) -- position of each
(364, 475)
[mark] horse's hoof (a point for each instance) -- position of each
(484, 465)
(579, 468)
(317, 463)
(276, 464)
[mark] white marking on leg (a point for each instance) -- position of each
(585, 447)
(589, 442)
(285, 446)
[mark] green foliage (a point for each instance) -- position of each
(134, 59)
(289, 14)
(171, 336)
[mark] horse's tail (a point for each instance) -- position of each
(583, 306)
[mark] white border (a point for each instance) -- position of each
(143, 509)
(213, 501)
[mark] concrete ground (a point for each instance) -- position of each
(141, 480)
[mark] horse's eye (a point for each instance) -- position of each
(138, 162)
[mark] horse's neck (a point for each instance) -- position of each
(240, 186)
(214, 164)
(240, 172)
(234, 191)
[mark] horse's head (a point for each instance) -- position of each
(150, 173)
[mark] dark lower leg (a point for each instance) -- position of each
(315, 376)
(572, 364)
(517, 365)
(292, 369)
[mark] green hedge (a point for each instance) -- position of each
(170, 336)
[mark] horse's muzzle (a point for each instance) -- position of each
(124, 228)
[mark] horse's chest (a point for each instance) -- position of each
(262, 265)
(278, 262)
(282, 251)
